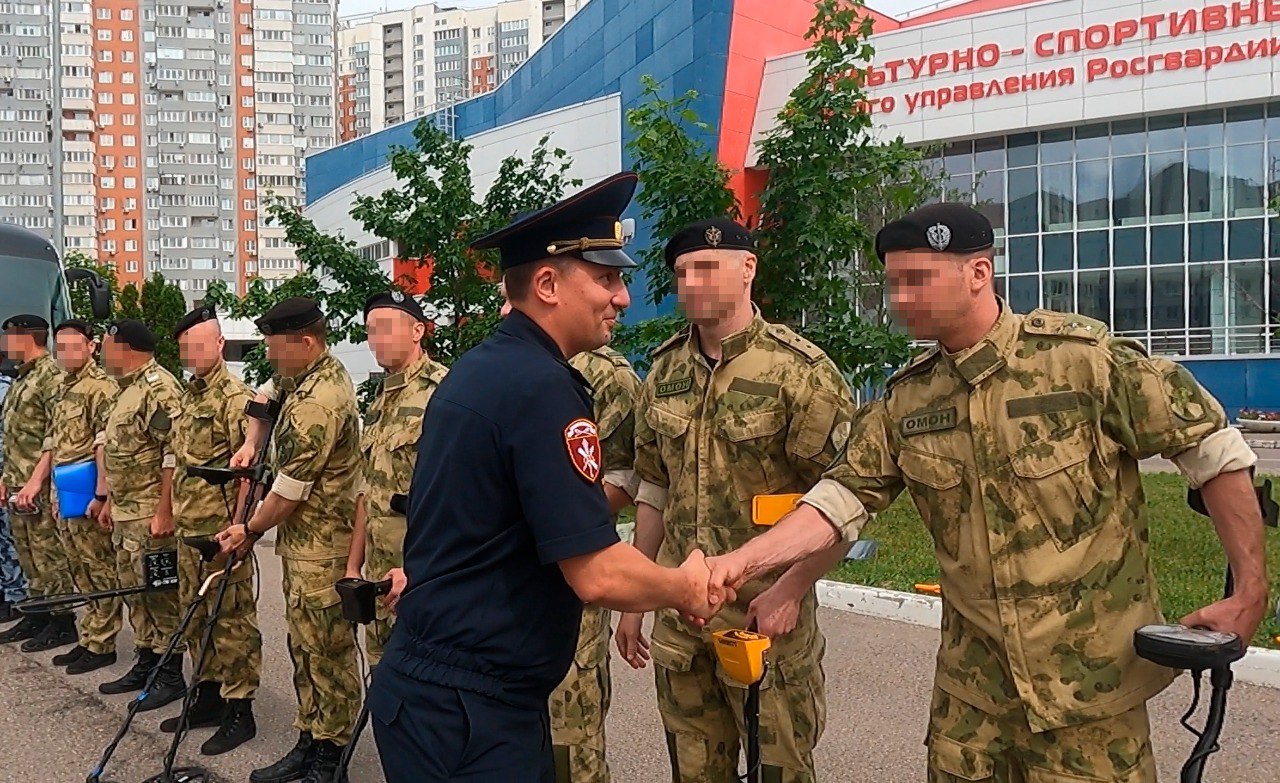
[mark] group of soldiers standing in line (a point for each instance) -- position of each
(733, 409)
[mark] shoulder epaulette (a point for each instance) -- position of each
(1072, 326)
(795, 342)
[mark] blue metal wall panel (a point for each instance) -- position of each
(1240, 383)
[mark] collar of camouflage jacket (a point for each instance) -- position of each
(978, 362)
(212, 380)
(133, 377)
(736, 344)
(72, 378)
(398, 380)
(293, 382)
(30, 365)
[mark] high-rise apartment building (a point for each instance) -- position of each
(151, 135)
(398, 65)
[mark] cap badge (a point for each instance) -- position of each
(113, 330)
(939, 237)
(397, 297)
(713, 236)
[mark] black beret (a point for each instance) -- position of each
(193, 318)
(134, 334)
(394, 300)
(587, 224)
(291, 315)
(83, 327)
(945, 227)
(24, 322)
(714, 234)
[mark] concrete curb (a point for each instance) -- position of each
(1259, 666)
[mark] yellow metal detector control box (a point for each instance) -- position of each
(768, 510)
(741, 653)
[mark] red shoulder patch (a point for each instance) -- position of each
(583, 441)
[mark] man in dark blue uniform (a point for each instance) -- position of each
(509, 531)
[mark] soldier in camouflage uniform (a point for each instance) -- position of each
(39, 535)
(139, 459)
(13, 583)
(1018, 438)
(79, 434)
(732, 409)
(389, 444)
(580, 704)
(212, 429)
(317, 468)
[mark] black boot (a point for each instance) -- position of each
(237, 728)
(91, 662)
(169, 686)
(60, 632)
(325, 768)
(27, 628)
(7, 613)
(135, 678)
(70, 656)
(206, 711)
(293, 766)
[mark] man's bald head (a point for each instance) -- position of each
(201, 347)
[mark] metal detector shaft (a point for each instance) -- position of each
(72, 600)
(1193, 770)
(752, 722)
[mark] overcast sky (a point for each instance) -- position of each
(351, 7)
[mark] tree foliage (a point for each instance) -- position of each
(430, 216)
(681, 181)
(832, 184)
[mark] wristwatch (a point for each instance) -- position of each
(100, 498)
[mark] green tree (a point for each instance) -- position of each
(130, 305)
(162, 306)
(832, 183)
(430, 216)
(681, 181)
(80, 306)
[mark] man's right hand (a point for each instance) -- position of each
(104, 517)
(632, 645)
(704, 599)
(243, 458)
(95, 509)
(727, 572)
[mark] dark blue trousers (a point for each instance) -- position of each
(428, 733)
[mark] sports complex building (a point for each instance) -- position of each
(1125, 151)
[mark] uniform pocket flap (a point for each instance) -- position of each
(316, 599)
(670, 657)
(750, 425)
(959, 760)
(1057, 451)
(932, 470)
(665, 422)
(405, 436)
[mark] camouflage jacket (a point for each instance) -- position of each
(615, 389)
(5, 384)
(317, 460)
(768, 419)
(1021, 454)
(138, 445)
(392, 427)
(80, 414)
(212, 428)
(28, 419)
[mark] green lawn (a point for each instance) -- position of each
(1189, 562)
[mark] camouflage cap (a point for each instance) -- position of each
(193, 318)
(942, 228)
(134, 334)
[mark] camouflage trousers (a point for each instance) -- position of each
(384, 550)
(153, 614)
(40, 539)
(93, 568)
(967, 744)
(323, 649)
(13, 583)
(235, 656)
(580, 704)
(702, 711)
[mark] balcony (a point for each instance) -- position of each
(70, 125)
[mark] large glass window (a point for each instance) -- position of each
(1024, 293)
(1057, 204)
(1093, 248)
(1024, 195)
(1129, 190)
(1024, 254)
(1167, 187)
(1095, 295)
(1205, 192)
(1057, 252)
(1168, 295)
(1059, 293)
(1131, 301)
(1093, 198)
(1246, 183)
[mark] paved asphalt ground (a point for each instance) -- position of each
(53, 728)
